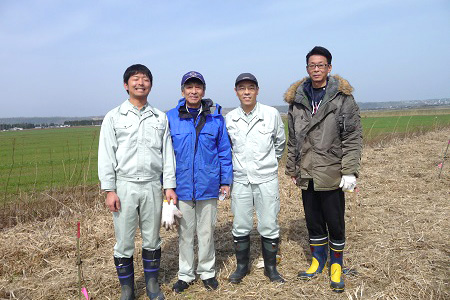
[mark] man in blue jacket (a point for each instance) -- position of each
(203, 169)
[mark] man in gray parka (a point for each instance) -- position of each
(324, 152)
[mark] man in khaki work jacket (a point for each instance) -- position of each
(324, 152)
(135, 152)
(257, 136)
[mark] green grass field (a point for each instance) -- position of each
(38, 159)
(42, 159)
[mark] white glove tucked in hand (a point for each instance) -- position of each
(169, 212)
(348, 183)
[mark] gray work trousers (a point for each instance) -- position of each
(265, 198)
(202, 219)
(140, 204)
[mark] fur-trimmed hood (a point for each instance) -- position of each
(335, 84)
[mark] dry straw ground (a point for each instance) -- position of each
(397, 238)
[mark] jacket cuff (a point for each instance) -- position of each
(169, 184)
(287, 172)
(108, 185)
(226, 181)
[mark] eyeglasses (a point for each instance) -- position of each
(320, 66)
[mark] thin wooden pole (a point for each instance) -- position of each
(443, 160)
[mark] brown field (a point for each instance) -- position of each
(397, 238)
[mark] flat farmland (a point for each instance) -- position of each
(43, 159)
(33, 160)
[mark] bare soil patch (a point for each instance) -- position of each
(397, 239)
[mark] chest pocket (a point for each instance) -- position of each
(237, 139)
(153, 134)
(208, 137)
(125, 134)
(263, 138)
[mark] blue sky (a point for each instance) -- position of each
(67, 58)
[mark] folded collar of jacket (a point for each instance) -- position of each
(207, 108)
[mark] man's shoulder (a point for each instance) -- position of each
(267, 109)
(172, 112)
(232, 113)
(159, 112)
(113, 112)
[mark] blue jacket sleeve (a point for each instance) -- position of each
(224, 149)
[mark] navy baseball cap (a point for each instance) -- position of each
(192, 74)
(246, 76)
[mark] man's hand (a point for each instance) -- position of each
(224, 192)
(294, 180)
(112, 201)
(348, 183)
(171, 195)
(169, 212)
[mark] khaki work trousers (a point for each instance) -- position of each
(200, 218)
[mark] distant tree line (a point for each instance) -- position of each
(18, 125)
(47, 125)
(83, 122)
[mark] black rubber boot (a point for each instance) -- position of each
(151, 262)
(242, 249)
(269, 249)
(125, 272)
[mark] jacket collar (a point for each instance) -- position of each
(126, 106)
(241, 114)
(207, 108)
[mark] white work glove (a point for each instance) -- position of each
(348, 183)
(169, 212)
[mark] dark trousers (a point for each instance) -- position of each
(324, 214)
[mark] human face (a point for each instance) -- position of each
(138, 86)
(247, 91)
(193, 92)
(318, 75)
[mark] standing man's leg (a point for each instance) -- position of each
(267, 206)
(125, 224)
(206, 213)
(150, 222)
(186, 246)
(317, 230)
(333, 207)
(242, 208)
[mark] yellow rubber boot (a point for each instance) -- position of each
(319, 260)
(336, 260)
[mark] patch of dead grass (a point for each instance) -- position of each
(397, 238)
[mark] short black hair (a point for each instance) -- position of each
(318, 50)
(137, 69)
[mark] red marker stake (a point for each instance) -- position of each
(78, 260)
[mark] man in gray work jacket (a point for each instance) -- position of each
(135, 153)
(257, 138)
(323, 159)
